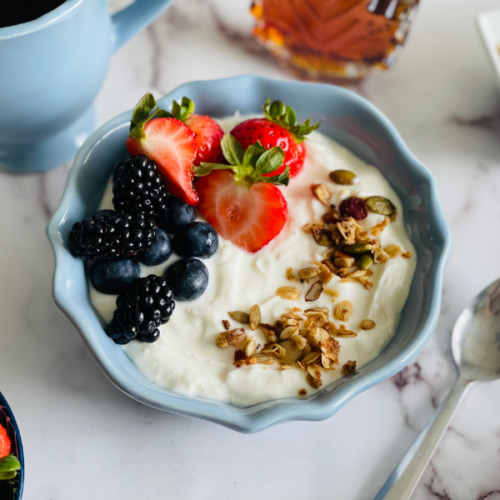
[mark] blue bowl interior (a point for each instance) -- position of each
(13, 489)
(346, 118)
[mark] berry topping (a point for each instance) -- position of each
(110, 235)
(114, 277)
(159, 251)
(141, 308)
(239, 200)
(138, 188)
(167, 141)
(354, 207)
(197, 239)
(208, 137)
(278, 128)
(176, 214)
(5, 444)
(188, 278)
(207, 130)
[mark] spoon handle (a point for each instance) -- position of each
(405, 477)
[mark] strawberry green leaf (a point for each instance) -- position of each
(270, 161)
(276, 109)
(285, 117)
(188, 107)
(142, 113)
(291, 116)
(183, 110)
(206, 168)
(252, 154)
(250, 166)
(9, 463)
(232, 149)
(282, 179)
(7, 475)
(176, 109)
(161, 113)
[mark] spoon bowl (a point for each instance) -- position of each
(475, 340)
(475, 343)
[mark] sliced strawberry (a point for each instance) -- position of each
(172, 145)
(248, 217)
(239, 199)
(208, 137)
(278, 128)
(207, 130)
(5, 444)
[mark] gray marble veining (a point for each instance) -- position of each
(84, 439)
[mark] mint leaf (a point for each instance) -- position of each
(9, 463)
(232, 150)
(270, 161)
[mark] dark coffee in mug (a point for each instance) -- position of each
(14, 12)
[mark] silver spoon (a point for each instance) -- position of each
(475, 343)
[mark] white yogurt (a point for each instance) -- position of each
(185, 359)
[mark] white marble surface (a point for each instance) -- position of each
(85, 440)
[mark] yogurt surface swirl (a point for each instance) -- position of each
(186, 359)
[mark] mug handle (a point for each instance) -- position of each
(134, 18)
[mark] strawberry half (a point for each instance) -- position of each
(168, 142)
(5, 443)
(278, 128)
(207, 130)
(240, 200)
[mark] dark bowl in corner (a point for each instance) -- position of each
(12, 489)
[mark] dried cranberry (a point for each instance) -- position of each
(354, 207)
(239, 355)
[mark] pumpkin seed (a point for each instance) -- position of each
(254, 317)
(239, 316)
(357, 248)
(344, 177)
(364, 261)
(380, 205)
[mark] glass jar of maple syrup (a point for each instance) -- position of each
(333, 40)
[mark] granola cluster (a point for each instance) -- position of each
(350, 250)
(306, 340)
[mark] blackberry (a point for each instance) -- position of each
(145, 305)
(111, 236)
(138, 187)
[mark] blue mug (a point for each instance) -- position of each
(51, 70)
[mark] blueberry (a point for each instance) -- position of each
(188, 279)
(175, 214)
(197, 239)
(113, 277)
(159, 251)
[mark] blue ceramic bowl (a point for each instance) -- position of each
(346, 118)
(13, 489)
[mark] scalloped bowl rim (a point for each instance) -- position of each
(237, 418)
